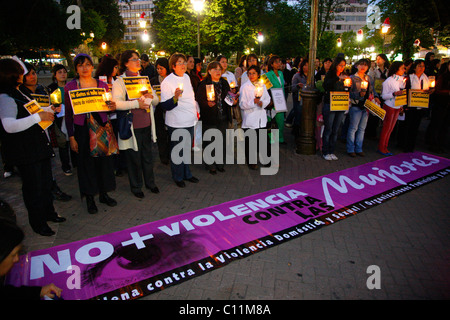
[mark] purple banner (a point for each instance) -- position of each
(148, 258)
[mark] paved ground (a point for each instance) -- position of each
(406, 237)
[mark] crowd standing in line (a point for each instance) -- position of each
(179, 100)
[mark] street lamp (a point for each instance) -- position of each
(339, 42)
(104, 45)
(359, 35)
(384, 29)
(260, 40)
(198, 7)
(145, 36)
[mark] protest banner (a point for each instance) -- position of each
(339, 101)
(88, 100)
(148, 258)
(34, 107)
(375, 109)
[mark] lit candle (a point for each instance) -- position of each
(144, 88)
(56, 98)
(364, 85)
(232, 85)
(107, 97)
(211, 95)
(347, 82)
(180, 86)
(403, 83)
(432, 81)
(259, 90)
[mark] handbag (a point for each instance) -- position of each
(102, 141)
(125, 120)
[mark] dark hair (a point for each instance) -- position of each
(144, 57)
(55, 69)
(80, 59)
(297, 61)
(271, 61)
(256, 68)
(428, 56)
(300, 68)
(415, 64)
(334, 65)
(363, 61)
(30, 67)
(212, 65)
(252, 55)
(106, 66)
(394, 67)
(241, 61)
(10, 72)
(386, 60)
(10, 237)
(163, 62)
(220, 57)
(124, 57)
(174, 58)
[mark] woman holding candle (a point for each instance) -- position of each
(251, 60)
(215, 111)
(137, 148)
(334, 81)
(30, 86)
(59, 81)
(392, 88)
(27, 146)
(253, 100)
(417, 79)
(275, 75)
(162, 68)
(95, 174)
(361, 90)
(178, 99)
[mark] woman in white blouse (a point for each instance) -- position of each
(392, 87)
(252, 102)
(418, 80)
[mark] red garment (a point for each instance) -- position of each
(388, 125)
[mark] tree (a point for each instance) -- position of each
(286, 31)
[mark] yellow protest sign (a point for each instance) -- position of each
(378, 85)
(157, 89)
(137, 86)
(266, 81)
(88, 100)
(339, 100)
(42, 99)
(34, 107)
(402, 99)
(375, 109)
(418, 98)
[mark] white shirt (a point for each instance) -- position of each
(392, 84)
(184, 115)
(253, 116)
(415, 81)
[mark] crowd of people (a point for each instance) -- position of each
(181, 97)
(179, 100)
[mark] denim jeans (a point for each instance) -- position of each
(357, 125)
(332, 120)
(180, 171)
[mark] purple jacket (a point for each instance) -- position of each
(80, 119)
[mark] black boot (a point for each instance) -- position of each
(92, 208)
(104, 198)
(58, 194)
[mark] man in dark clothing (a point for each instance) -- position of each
(147, 68)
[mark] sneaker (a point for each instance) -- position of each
(68, 172)
(333, 156)
(328, 157)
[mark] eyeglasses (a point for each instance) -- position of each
(181, 63)
(135, 60)
(87, 65)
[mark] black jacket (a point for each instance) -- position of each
(211, 115)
